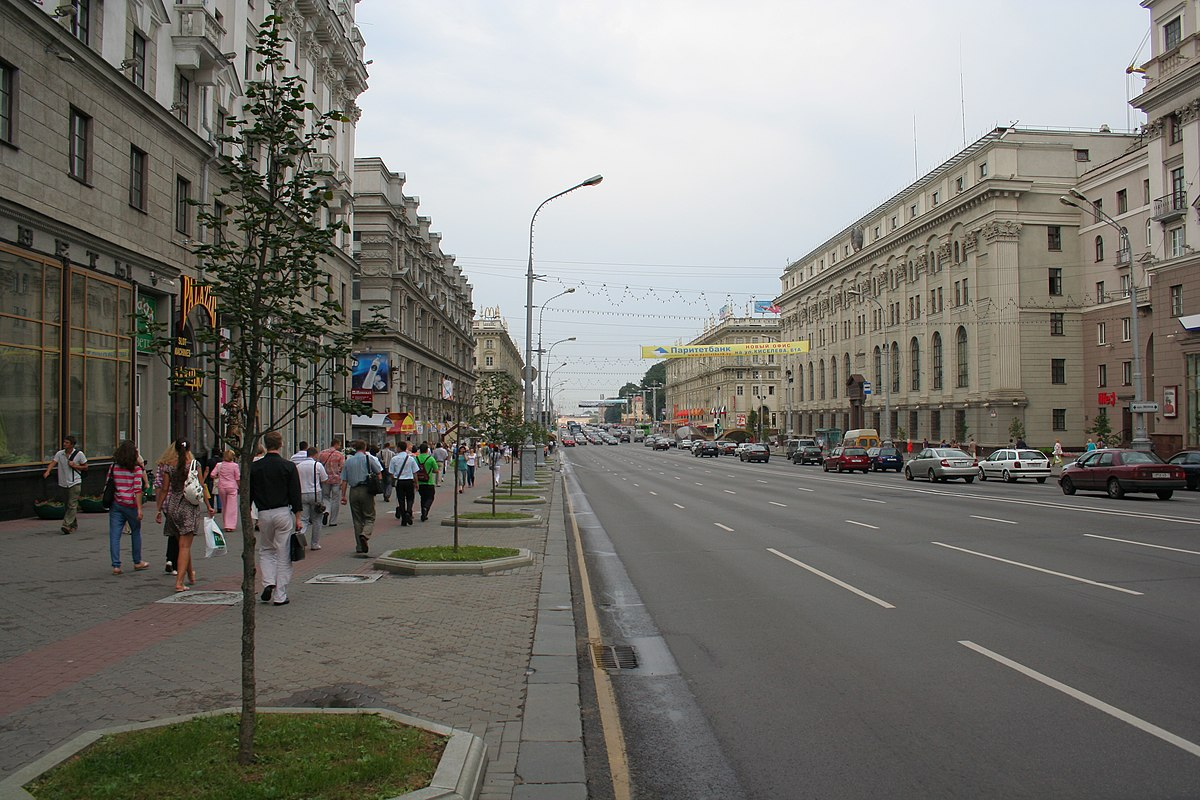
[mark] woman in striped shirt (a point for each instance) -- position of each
(129, 478)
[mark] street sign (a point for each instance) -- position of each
(1143, 408)
(866, 387)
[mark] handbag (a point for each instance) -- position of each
(110, 491)
(214, 539)
(318, 506)
(297, 545)
(193, 490)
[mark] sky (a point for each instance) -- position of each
(733, 139)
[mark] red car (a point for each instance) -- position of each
(1120, 472)
(568, 441)
(847, 459)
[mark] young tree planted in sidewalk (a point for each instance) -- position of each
(498, 417)
(281, 337)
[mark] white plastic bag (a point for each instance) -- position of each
(214, 539)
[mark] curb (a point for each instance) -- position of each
(532, 521)
(487, 501)
(405, 566)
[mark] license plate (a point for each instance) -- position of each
(962, 463)
(1161, 475)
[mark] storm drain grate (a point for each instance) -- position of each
(203, 598)
(352, 578)
(619, 656)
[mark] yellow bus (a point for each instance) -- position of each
(861, 437)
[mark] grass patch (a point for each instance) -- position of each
(309, 756)
(447, 553)
(497, 515)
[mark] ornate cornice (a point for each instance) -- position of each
(1000, 230)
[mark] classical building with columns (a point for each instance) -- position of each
(495, 350)
(959, 300)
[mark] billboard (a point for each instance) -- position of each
(371, 372)
(765, 307)
(706, 350)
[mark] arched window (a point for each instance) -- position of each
(812, 395)
(894, 352)
(800, 380)
(822, 368)
(936, 357)
(957, 253)
(1099, 249)
(833, 377)
(846, 366)
(960, 343)
(914, 358)
(878, 367)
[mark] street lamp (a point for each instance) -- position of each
(541, 379)
(1141, 441)
(541, 310)
(887, 369)
(527, 461)
(546, 415)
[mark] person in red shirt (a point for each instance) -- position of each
(333, 459)
(129, 479)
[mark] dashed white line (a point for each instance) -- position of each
(677, 505)
(993, 519)
(1145, 544)
(863, 524)
(760, 480)
(1096, 703)
(723, 527)
(781, 505)
(802, 489)
(870, 500)
(832, 579)
(698, 483)
(1039, 569)
(654, 493)
(730, 491)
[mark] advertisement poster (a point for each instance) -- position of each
(1169, 396)
(370, 373)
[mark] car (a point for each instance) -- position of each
(942, 464)
(1010, 465)
(638, 436)
(568, 441)
(685, 444)
(727, 447)
(847, 459)
(1119, 472)
(662, 444)
(703, 448)
(626, 436)
(755, 452)
(808, 454)
(1189, 462)
(885, 458)
(648, 441)
(792, 445)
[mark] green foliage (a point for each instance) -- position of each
(498, 415)
(1101, 426)
(465, 553)
(1016, 429)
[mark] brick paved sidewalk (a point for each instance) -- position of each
(82, 648)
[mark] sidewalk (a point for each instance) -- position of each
(83, 649)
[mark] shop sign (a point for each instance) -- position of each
(188, 378)
(193, 295)
(144, 313)
(362, 395)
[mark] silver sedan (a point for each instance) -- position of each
(940, 464)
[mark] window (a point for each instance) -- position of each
(1175, 242)
(740, 391)
(138, 76)
(137, 178)
(912, 211)
(895, 222)
(489, 361)
(183, 216)
(1056, 323)
(961, 347)
(914, 366)
(1102, 375)
(1126, 285)
(1122, 201)
(958, 184)
(1173, 33)
(183, 97)
(81, 134)
(936, 358)
(1058, 419)
(1126, 373)
(878, 367)
(1099, 249)
(1101, 297)
(876, 232)
(957, 254)
(983, 173)
(966, 291)
(1054, 238)
(1056, 282)
(1146, 192)
(81, 19)
(1125, 329)
(218, 231)
(489, 344)
(1176, 293)
(1082, 155)
(771, 390)
(937, 198)
(894, 354)
(833, 377)
(821, 366)
(8, 103)
(1150, 232)
(1101, 333)
(1178, 188)
(1058, 370)
(935, 424)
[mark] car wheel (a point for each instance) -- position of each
(982, 474)
(933, 478)
(1165, 494)
(839, 468)
(1068, 486)
(1041, 480)
(969, 478)
(1008, 478)
(1115, 490)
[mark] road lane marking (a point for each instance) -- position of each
(677, 505)
(802, 489)
(760, 480)
(677, 477)
(635, 484)
(698, 483)
(1083, 697)
(781, 505)
(832, 579)
(869, 500)
(730, 491)
(723, 527)
(654, 493)
(993, 519)
(865, 525)
(1145, 544)
(1039, 569)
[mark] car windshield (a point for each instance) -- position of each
(1136, 457)
(949, 453)
(888, 451)
(854, 451)
(1031, 455)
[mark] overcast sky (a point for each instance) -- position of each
(732, 137)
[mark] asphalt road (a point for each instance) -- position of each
(814, 635)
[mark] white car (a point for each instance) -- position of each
(685, 444)
(1009, 465)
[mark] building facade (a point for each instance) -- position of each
(719, 395)
(412, 306)
(959, 301)
(495, 351)
(108, 120)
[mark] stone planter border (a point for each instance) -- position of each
(500, 501)
(459, 775)
(533, 521)
(405, 566)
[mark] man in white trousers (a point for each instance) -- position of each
(275, 490)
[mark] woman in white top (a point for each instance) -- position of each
(470, 467)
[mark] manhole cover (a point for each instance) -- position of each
(370, 577)
(621, 656)
(194, 598)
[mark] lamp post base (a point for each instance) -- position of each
(528, 462)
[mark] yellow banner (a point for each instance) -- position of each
(729, 350)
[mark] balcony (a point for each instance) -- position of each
(1170, 207)
(197, 37)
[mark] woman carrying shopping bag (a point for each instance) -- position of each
(226, 475)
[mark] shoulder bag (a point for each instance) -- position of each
(373, 482)
(110, 491)
(297, 545)
(318, 506)
(193, 490)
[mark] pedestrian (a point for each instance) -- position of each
(185, 517)
(1021, 443)
(471, 456)
(925, 443)
(227, 475)
(162, 470)
(209, 463)
(460, 469)
(386, 453)
(71, 464)
(426, 488)
(357, 494)
(312, 513)
(301, 453)
(1058, 452)
(404, 472)
(127, 476)
(974, 447)
(496, 461)
(275, 490)
(1091, 444)
(332, 459)
(441, 455)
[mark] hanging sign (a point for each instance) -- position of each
(707, 350)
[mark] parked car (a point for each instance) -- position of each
(1120, 472)
(941, 464)
(808, 454)
(1189, 462)
(847, 459)
(1011, 465)
(885, 458)
(727, 447)
(755, 452)
(662, 444)
(792, 445)
(706, 449)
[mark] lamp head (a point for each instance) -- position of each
(592, 181)
(570, 338)
(1077, 195)
(570, 290)
(1066, 201)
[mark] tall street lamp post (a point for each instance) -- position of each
(1141, 440)
(542, 405)
(540, 351)
(527, 455)
(887, 369)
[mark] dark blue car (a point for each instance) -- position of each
(885, 458)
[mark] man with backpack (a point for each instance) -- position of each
(71, 464)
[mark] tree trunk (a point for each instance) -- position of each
(249, 715)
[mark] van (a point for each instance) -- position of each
(861, 437)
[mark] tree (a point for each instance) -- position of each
(656, 376)
(1016, 429)
(498, 417)
(1101, 427)
(281, 331)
